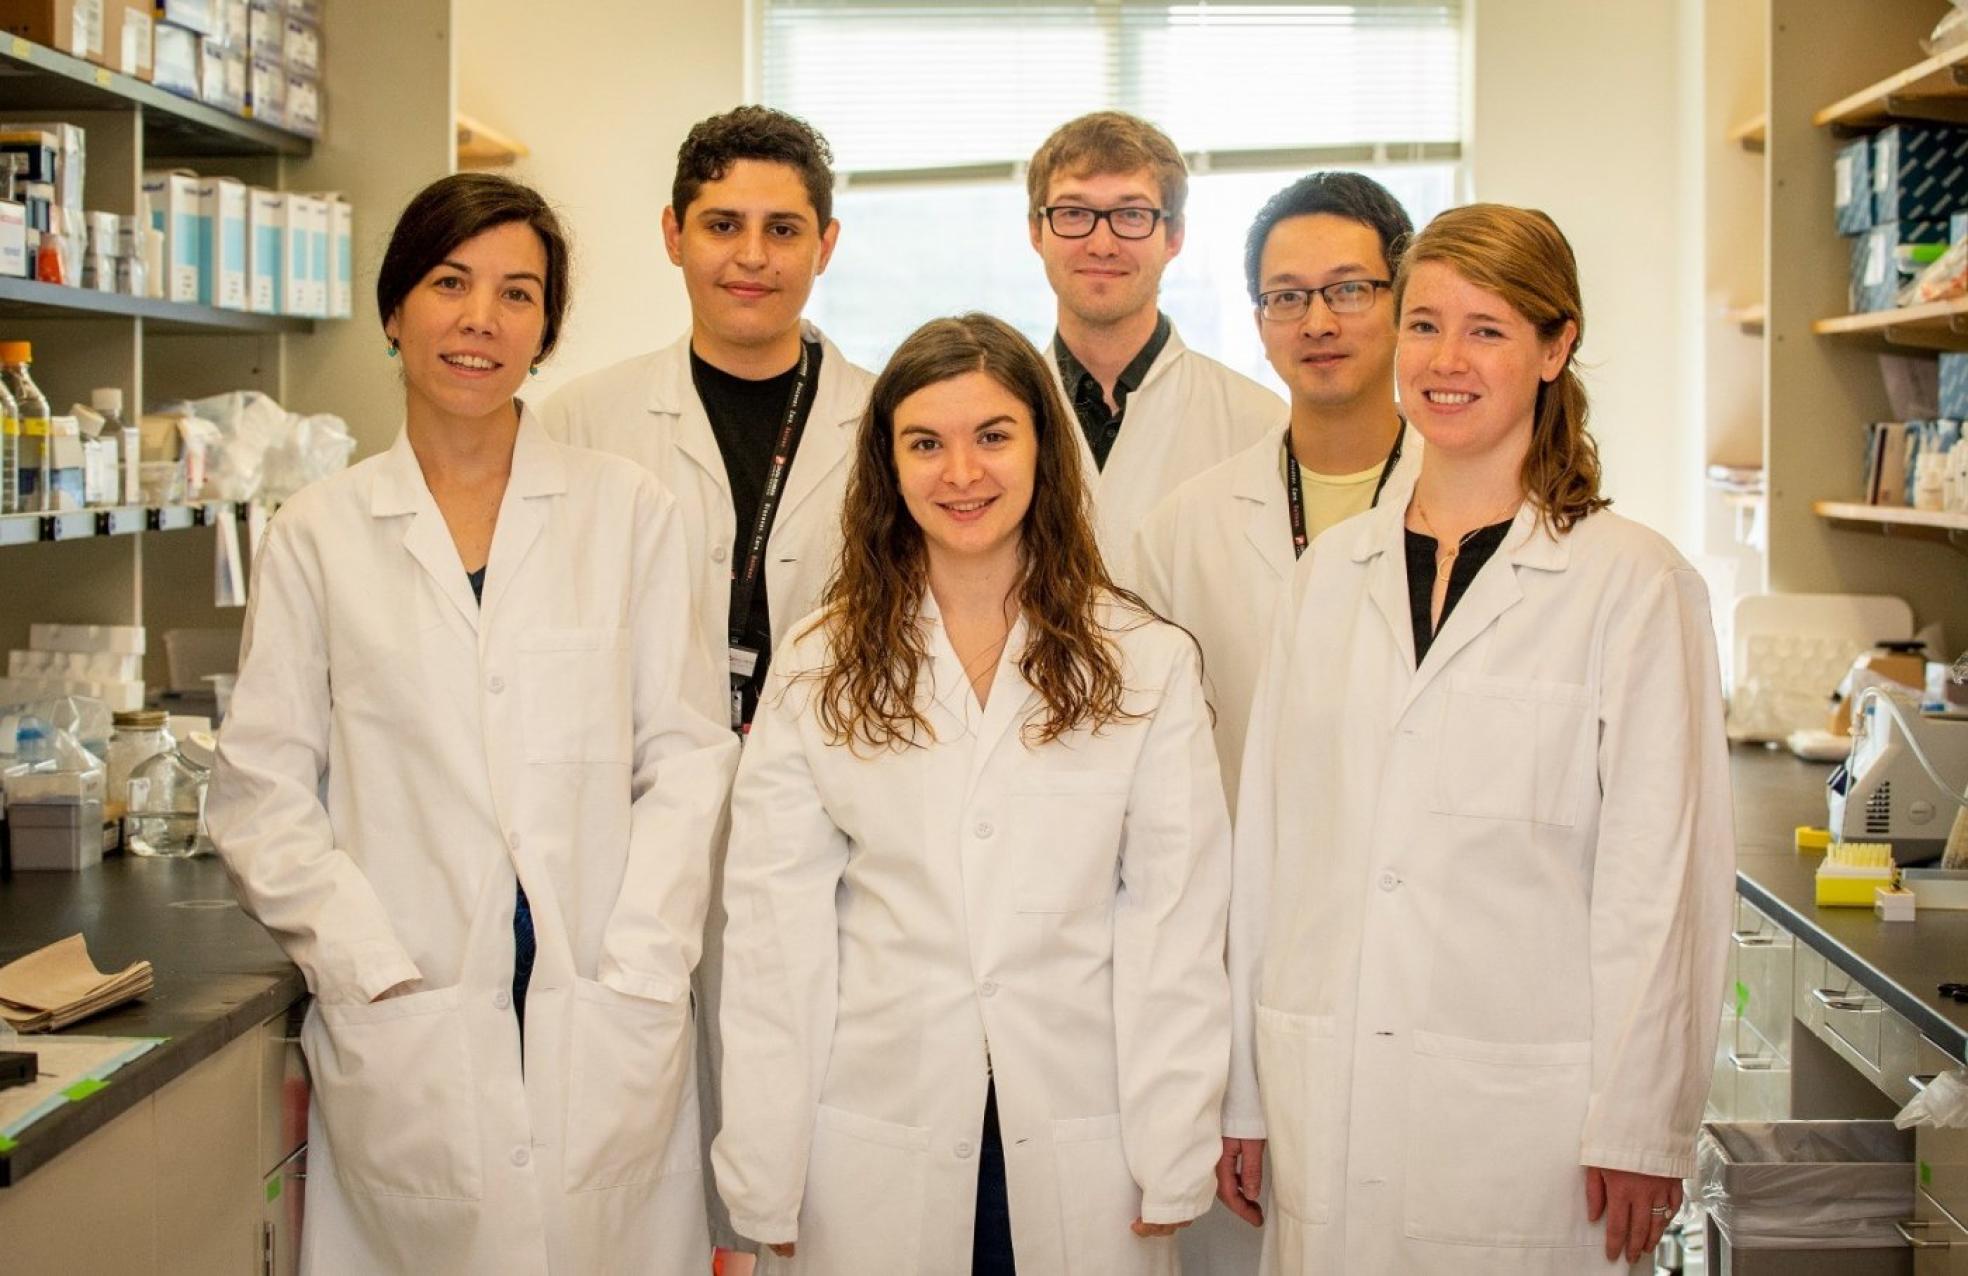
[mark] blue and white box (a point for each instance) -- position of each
(266, 245)
(341, 259)
(1851, 187)
(294, 261)
(319, 226)
(1919, 173)
(222, 243)
(173, 196)
(1954, 386)
(1876, 278)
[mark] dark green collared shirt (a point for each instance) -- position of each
(1100, 426)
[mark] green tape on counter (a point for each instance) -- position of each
(83, 1089)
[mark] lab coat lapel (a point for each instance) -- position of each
(538, 471)
(1378, 547)
(1011, 700)
(672, 393)
(1495, 590)
(400, 489)
(954, 700)
(1261, 485)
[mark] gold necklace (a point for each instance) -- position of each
(1445, 562)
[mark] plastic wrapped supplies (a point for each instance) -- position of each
(254, 449)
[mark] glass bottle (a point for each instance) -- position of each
(141, 734)
(167, 807)
(15, 357)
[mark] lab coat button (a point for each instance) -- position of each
(988, 988)
(503, 1001)
(963, 1149)
(984, 829)
(520, 1156)
(1388, 881)
(717, 553)
(495, 684)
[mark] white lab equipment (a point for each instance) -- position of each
(1905, 779)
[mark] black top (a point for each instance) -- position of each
(477, 580)
(745, 416)
(1090, 402)
(1421, 578)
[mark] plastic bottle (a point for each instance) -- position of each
(34, 743)
(15, 356)
(10, 446)
(108, 400)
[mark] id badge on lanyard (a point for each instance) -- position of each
(746, 576)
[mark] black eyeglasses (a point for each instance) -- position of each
(1347, 297)
(1130, 221)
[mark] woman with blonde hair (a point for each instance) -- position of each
(975, 1014)
(1484, 853)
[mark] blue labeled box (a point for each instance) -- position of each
(1876, 269)
(1919, 173)
(1957, 228)
(1852, 187)
(1954, 386)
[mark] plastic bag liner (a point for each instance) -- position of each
(1806, 1184)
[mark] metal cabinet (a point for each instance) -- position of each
(1751, 1079)
(1940, 1244)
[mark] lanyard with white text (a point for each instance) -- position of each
(1295, 490)
(745, 575)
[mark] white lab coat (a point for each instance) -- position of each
(901, 920)
(396, 757)
(647, 409)
(1480, 909)
(1216, 555)
(1190, 413)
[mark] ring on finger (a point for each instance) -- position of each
(1662, 1211)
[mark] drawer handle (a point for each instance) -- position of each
(1751, 1063)
(1832, 999)
(1752, 938)
(1921, 1080)
(1906, 1227)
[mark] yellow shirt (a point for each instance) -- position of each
(1330, 498)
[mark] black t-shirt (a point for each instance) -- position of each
(1421, 578)
(1100, 426)
(746, 417)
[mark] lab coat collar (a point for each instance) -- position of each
(1010, 698)
(1257, 482)
(539, 469)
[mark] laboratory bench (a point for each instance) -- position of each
(188, 1159)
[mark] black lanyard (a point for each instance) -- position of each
(745, 577)
(1295, 490)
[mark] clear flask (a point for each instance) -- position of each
(166, 813)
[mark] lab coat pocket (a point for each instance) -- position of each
(627, 1064)
(1298, 1073)
(1492, 1142)
(393, 1081)
(1067, 837)
(1513, 749)
(864, 1195)
(1099, 1199)
(577, 698)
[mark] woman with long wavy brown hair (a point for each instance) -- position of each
(975, 1011)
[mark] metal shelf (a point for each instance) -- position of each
(35, 78)
(31, 299)
(123, 520)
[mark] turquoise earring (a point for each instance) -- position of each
(392, 350)
(533, 371)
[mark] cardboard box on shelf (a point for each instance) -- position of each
(175, 58)
(1851, 187)
(266, 92)
(266, 244)
(300, 46)
(74, 27)
(295, 295)
(193, 15)
(13, 240)
(1954, 386)
(303, 106)
(71, 147)
(174, 206)
(222, 243)
(127, 37)
(315, 210)
(265, 29)
(212, 73)
(341, 271)
(1919, 172)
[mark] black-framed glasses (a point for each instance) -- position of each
(1347, 297)
(1129, 221)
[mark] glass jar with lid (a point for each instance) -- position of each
(166, 815)
(140, 734)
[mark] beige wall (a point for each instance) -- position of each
(1590, 117)
(602, 95)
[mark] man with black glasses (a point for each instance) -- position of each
(1107, 193)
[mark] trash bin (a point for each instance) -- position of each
(1805, 1198)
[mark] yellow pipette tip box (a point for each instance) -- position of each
(1852, 874)
(1810, 839)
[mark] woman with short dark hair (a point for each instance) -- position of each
(974, 1007)
(470, 780)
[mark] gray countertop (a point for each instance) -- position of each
(219, 975)
(1901, 963)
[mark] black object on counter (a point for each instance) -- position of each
(17, 1067)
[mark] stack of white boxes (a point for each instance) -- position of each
(284, 52)
(103, 661)
(242, 247)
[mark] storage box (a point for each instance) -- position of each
(295, 294)
(303, 105)
(13, 239)
(1954, 386)
(1919, 172)
(173, 199)
(300, 46)
(229, 25)
(123, 640)
(1805, 1198)
(341, 263)
(55, 834)
(211, 73)
(266, 92)
(222, 243)
(127, 38)
(193, 15)
(1875, 266)
(266, 28)
(1851, 187)
(266, 243)
(175, 57)
(73, 26)
(315, 210)
(70, 144)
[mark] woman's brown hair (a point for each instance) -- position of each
(1520, 255)
(868, 689)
